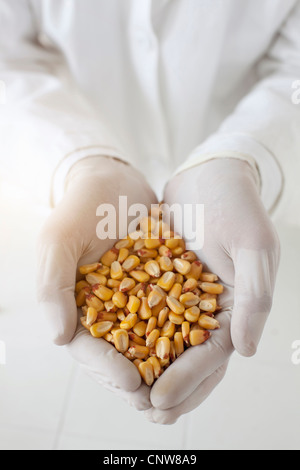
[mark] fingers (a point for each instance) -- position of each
(56, 273)
(190, 369)
(101, 358)
(255, 274)
(198, 396)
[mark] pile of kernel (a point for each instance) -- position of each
(149, 297)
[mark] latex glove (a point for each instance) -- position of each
(69, 240)
(242, 248)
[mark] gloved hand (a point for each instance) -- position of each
(242, 248)
(68, 240)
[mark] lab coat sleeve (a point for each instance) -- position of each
(46, 125)
(264, 129)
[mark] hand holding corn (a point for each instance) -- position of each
(68, 240)
(241, 246)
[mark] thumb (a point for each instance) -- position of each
(56, 277)
(255, 274)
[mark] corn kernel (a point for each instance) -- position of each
(140, 328)
(107, 316)
(153, 269)
(189, 285)
(133, 304)
(109, 257)
(162, 348)
(140, 276)
(89, 268)
(136, 339)
(208, 323)
(165, 251)
(102, 292)
(192, 314)
(144, 253)
(168, 329)
(176, 319)
(156, 366)
(167, 281)
(96, 278)
(145, 311)
(178, 343)
(121, 340)
(113, 284)
(123, 254)
(137, 351)
(147, 373)
(116, 271)
(208, 305)
(84, 323)
(91, 316)
(127, 284)
(152, 243)
(119, 299)
(189, 256)
(211, 288)
(152, 338)
(189, 299)
(198, 335)
(195, 272)
(93, 301)
(100, 329)
(154, 298)
(131, 263)
(185, 329)
(110, 306)
(166, 264)
(81, 298)
(162, 317)
(81, 285)
(182, 266)
(150, 325)
(176, 291)
(176, 306)
(129, 321)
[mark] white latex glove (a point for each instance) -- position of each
(68, 240)
(242, 248)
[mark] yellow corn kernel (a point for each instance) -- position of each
(179, 279)
(113, 284)
(166, 264)
(152, 243)
(130, 263)
(100, 329)
(137, 351)
(91, 316)
(198, 335)
(164, 363)
(120, 300)
(195, 272)
(167, 281)
(162, 317)
(211, 288)
(140, 276)
(142, 291)
(109, 338)
(121, 340)
(103, 270)
(136, 339)
(144, 253)
(162, 348)
(147, 373)
(109, 257)
(102, 292)
(154, 298)
(178, 343)
(177, 251)
(192, 314)
(129, 321)
(156, 366)
(176, 319)
(84, 309)
(208, 305)
(161, 228)
(81, 297)
(93, 301)
(121, 315)
(140, 328)
(84, 323)
(81, 285)
(189, 299)
(182, 266)
(176, 306)
(127, 284)
(171, 243)
(137, 362)
(107, 316)
(110, 306)
(185, 329)
(189, 256)
(96, 278)
(133, 304)
(139, 245)
(208, 322)
(153, 269)
(116, 271)
(165, 251)
(176, 291)
(145, 311)
(172, 351)
(125, 243)
(150, 326)
(89, 268)
(152, 338)
(128, 356)
(207, 296)
(123, 254)
(208, 277)
(189, 285)
(168, 329)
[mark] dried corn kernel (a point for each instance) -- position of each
(91, 316)
(167, 281)
(162, 317)
(208, 323)
(102, 292)
(168, 329)
(121, 340)
(119, 299)
(189, 299)
(182, 266)
(152, 338)
(140, 276)
(136, 339)
(116, 271)
(157, 370)
(185, 329)
(178, 343)
(176, 319)
(123, 254)
(198, 335)
(129, 321)
(89, 268)
(100, 329)
(211, 288)
(137, 351)
(162, 348)
(96, 278)
(192, 314)
(147, 373)
(81, 285)
(153, 269)
(109, 257)
(176, 306)
(140, 328)
(127, 284)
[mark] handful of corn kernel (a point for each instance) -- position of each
(149, 297)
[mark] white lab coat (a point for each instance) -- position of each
(163, 84)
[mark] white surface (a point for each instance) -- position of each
(46, 402)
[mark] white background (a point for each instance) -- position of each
(47, 402)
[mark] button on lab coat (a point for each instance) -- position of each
(162, 84)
